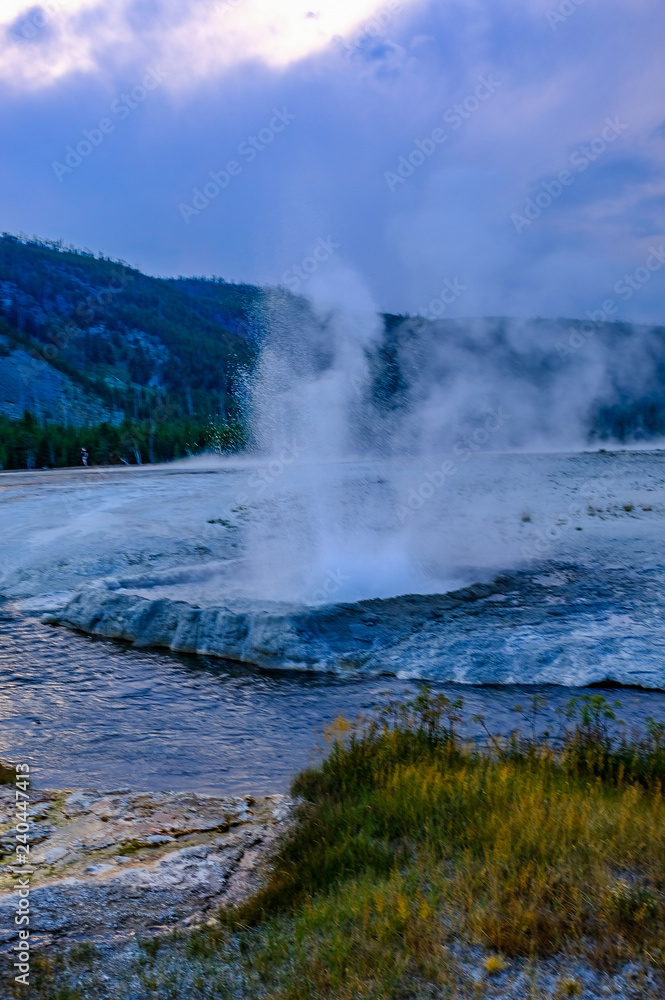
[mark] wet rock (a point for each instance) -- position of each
(107, 866)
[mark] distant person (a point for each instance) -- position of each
(84, 456)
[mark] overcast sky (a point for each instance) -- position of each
(509, 151)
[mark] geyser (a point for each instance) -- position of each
(323, 521)
(401, 509)
(365, 429)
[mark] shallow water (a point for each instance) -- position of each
(95, 713)
(98, 714)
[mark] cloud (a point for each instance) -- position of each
(196, 40)
(367, 85)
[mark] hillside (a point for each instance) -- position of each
(111, 328)
(134, 368)
(86, 341)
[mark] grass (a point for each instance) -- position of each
(410, 842)
(495, 964)
(8, 774)
(83, 953)
(410, 839)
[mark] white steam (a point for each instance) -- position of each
(363, 431)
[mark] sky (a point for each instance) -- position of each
(461, 157)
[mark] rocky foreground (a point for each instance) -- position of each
(105, 866)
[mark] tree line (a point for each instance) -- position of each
(30, 444)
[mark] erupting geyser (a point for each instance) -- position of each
(324, 519)
(398, 511)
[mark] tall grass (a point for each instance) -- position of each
(409, 838)
(411, 847)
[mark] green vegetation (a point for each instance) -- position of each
(26, 444)
(632, 419)
(115, 331)
(84, 953)
(136, 349)
(411, 844)
(411, 839)
(165, 359)
(7, 774)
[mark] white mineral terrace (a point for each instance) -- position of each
(308, 567)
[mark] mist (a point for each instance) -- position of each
(365, 428)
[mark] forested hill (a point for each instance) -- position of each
(105, 324)
(87, 341)
(94, 354)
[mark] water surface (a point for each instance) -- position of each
(98, 714)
